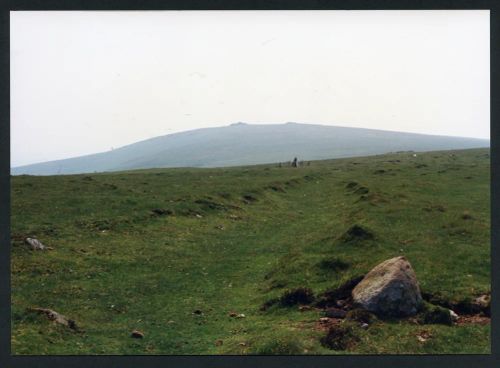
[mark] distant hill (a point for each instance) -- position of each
(246, 144)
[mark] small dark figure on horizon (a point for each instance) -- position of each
(294, 163)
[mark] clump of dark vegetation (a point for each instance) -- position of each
(249, 198)
(276, 188)
(465, 306)
(340, 296)
(161, 212)
(356, 233)
(435, 208)
(333, 264)
(87, 178)
(419, 166)
(100, 225)
(110, 186)
(296, 296)
(269, 303)
(340, 337)
(351, 185)
(361, 315)
(432, 314)
(207, 204)
(292, 182)
(381, 171)
(373, 198)
(362, 190)
(466, 216)
(225, 195)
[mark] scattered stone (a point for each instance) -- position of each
(137, 334)
(364, 325)
(241, 315)
(56, 317)
(242, 344)
(454, 316)
(389, 289)
(304, 308)
(36, 244)
(483, 301)
(423, 336)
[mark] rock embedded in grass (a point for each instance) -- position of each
(55, 317)
(137, 334)
(389, 289)
(36, 244)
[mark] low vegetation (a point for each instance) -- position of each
(246, 260)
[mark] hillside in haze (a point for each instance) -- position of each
(245, 144)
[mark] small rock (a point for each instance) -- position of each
(137, 334)
(56, 317)
(241, 315)
(242, 344)
(198, 215)
(36, 244)
(483, 301)
(324, 320)
(364, 325)
(304, 308)
(454, 316)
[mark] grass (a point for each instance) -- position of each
(146, 249)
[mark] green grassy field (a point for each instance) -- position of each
(171, 252)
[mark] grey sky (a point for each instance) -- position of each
(83, 82)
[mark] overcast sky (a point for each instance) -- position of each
(83, 82)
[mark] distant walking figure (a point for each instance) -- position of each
(294, 163)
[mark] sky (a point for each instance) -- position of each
(87, 82)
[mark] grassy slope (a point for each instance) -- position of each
(116, 268)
